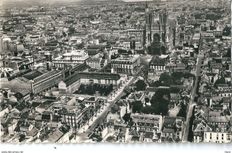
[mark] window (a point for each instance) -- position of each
(228, 136)
(91, 81)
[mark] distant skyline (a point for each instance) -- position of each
(70, 0)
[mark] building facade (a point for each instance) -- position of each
(127, 64)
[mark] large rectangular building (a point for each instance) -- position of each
(126, 64)
(72, 83)
(40, 82)
(72, 58)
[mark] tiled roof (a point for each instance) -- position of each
(169, 121)
(32, 75)
(50, 73)
(168, 130)
(219, 119)
(70, 80)
(93, 60)
(149, 135)
(98, 75)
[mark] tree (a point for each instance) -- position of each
(228, 54)
(183, 111)
(137, 106)
(147, 110)
(163, 50)
(220, 81)
(122, 51)
(147, 99)
(140, 85)
(166, 79)
(114, 109)
(82, 88)
(156, 84)
(161, 107)
(71, 30)
(21, 137)
(90, 89)
(159, 103)
(127, 118)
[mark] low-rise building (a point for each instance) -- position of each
(96, 62)
(172, 129)
(147, 126)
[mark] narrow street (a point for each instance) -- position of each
(192, 102)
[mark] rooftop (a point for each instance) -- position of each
(157, 61)
(99, 75)
(146, 118)
(127, 58)
(32, 75)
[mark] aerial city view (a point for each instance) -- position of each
(119, 71)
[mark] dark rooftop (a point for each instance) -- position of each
(98, 75)
(157, 61)
(32, 75)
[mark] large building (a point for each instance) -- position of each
(74, 117)
(70, 59)
(136, 37)
(72, 83)
(152, 26)
(126, 64)
(157, 66)
(219, 130)
(43, 81)
(99, 78)
(156, 31)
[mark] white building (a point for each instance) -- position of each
(218, 137)
(71, 58)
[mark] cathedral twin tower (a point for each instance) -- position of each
(155, 31)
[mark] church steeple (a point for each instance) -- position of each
(146, 8)
(146, 5)
(148, 24)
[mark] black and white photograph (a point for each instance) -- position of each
(115, 71)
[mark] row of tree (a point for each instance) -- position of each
(91, 89)
(167, 79)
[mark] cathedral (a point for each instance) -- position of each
(155, 31)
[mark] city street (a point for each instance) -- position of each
(100, 116)
(192, 102)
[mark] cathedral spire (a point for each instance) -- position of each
(146, 5)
